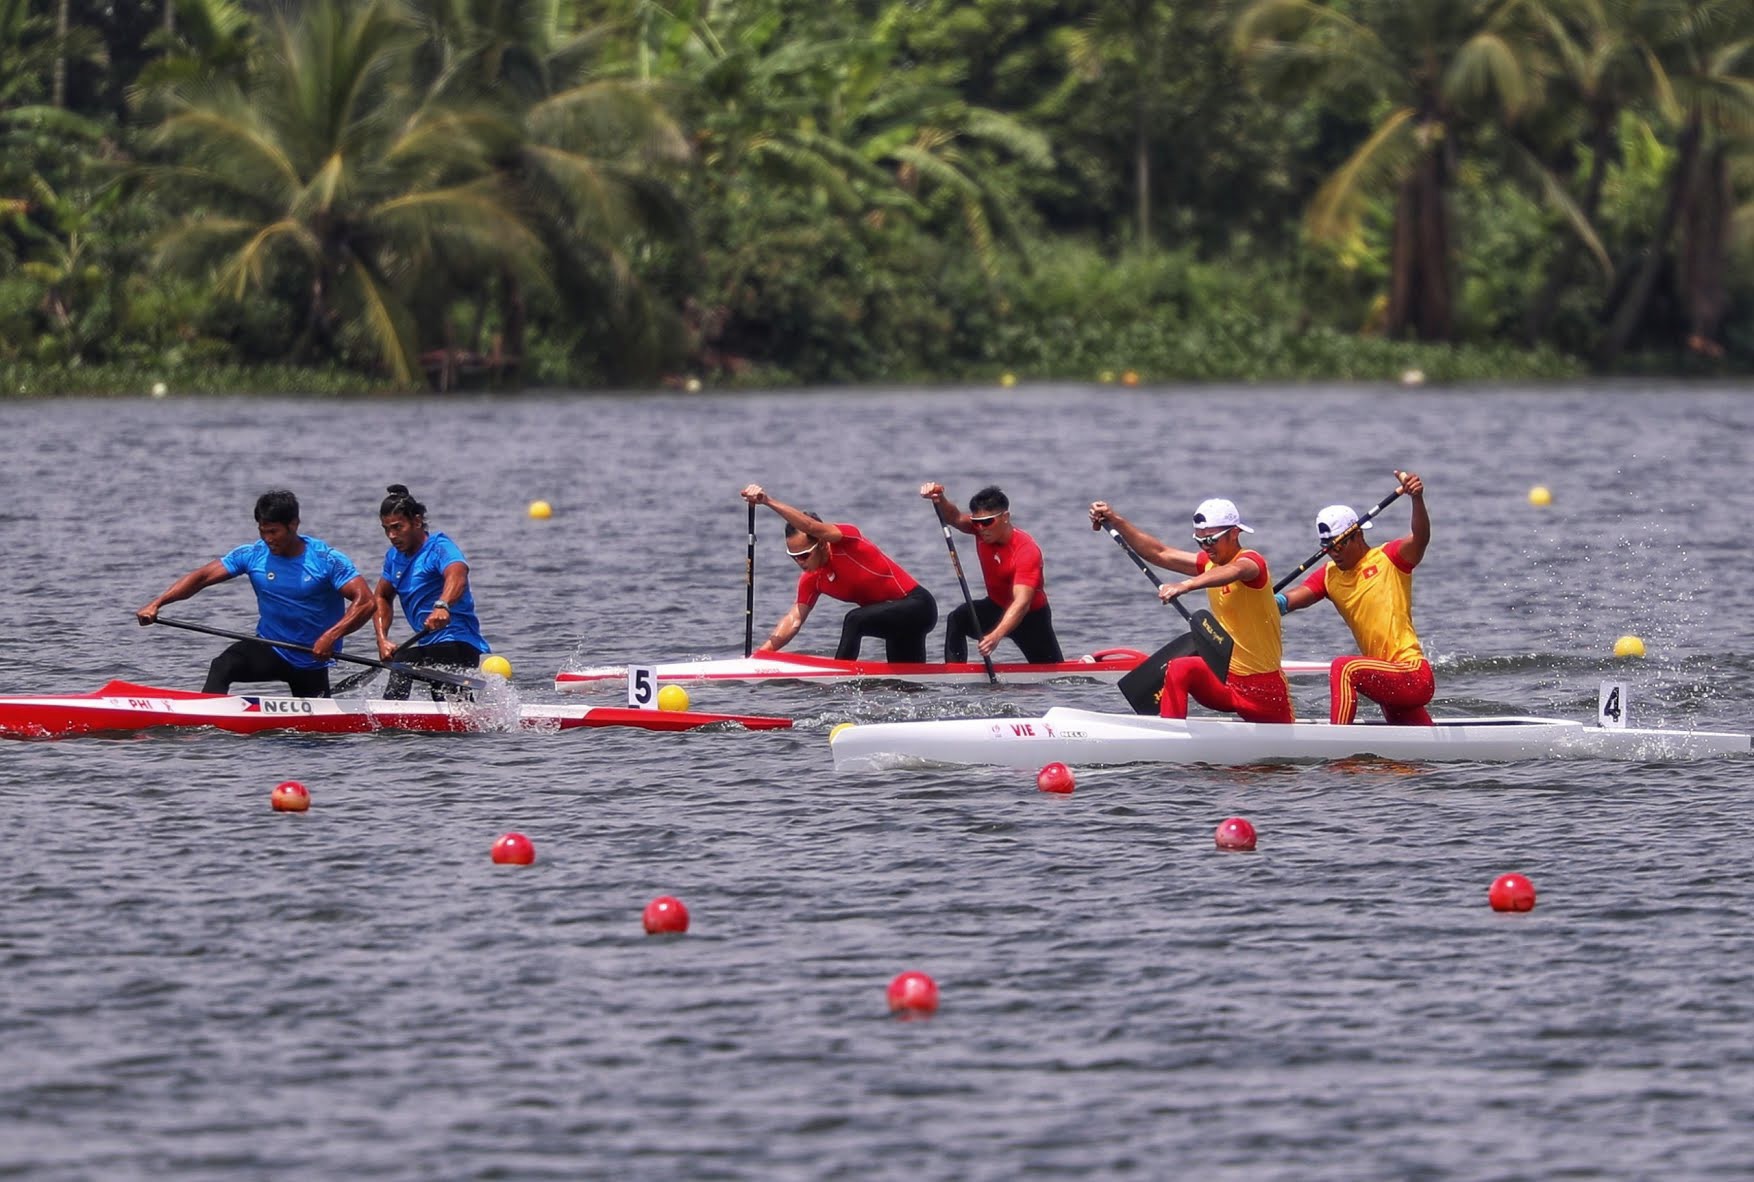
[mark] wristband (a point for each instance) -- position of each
(1284, 604)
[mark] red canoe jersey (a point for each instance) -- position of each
(1375, 598)
(1250, 614)
(856, 571)
(1016, 562)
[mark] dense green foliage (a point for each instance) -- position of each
(345, 194)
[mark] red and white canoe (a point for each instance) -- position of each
(124, 706)
(1109, 664)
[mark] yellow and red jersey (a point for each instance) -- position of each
(1248, 612)
(1375, 598)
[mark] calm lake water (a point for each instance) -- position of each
(196, 987)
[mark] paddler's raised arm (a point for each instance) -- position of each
(954, 517)
(816, 531)
(1151, 549)
(1413, 546)
(196, 580)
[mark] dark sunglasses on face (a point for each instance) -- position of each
(1339, 540)
(983, 522)
(1210, 540)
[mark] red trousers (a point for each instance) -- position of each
(1256, 697)
(1401, 690)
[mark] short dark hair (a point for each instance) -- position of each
(991, 499)
(401, 503)
(793, 531)
(277, 505)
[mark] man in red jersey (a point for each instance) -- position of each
(837, 561)
(1372, 588)
(1240, 591)
(1017, 599)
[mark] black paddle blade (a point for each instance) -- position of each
(1142, 686)
(1213, 643)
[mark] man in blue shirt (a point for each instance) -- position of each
(427, 572)
(306, 593)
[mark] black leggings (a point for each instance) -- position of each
(902, 623)
(1034, 633)
(447, 652)
(254, 660)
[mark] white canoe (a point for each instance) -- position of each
(1108, 665)
(1088, 737)
(124, 706)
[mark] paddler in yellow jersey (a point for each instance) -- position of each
(1372, 588)
(1240, 591)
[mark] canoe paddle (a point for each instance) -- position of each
(749, 591)
(1143, 686)
(353, 679)
(431, 676)
(1321, 554)
(962, 581)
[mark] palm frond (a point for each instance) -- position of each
(1380, 160)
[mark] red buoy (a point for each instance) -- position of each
(514, 849)
(1235, 833)
(289, 796)
(1511, 892)
(913, 994)
(665, 916)
(1055, 777)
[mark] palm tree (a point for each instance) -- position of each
(1136, 38)
(591, 157)
(837, 116)
(215, 41)
(1701, 54)
(1430, 65)
(1595, 68)
(330, 169)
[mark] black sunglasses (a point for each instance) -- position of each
(1210, 540)
(983, 522)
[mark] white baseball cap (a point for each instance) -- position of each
(1334, 521)
(1218, 513)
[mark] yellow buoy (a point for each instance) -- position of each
(497, 665)
(1540, 496)
(1007, 379)
(1106, 377)
(673, 697)
(541, 510)
(1629, 646)
(838, 728)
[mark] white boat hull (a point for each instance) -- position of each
(1088, 737)
(1108, 665)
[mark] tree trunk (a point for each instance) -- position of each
(1629, 313)
(1142, 171)
(170, 17)
(58, 85)
(1540, 314)
(512, 350)
(1419, 283)
(1705, 248)
(1436, 312)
